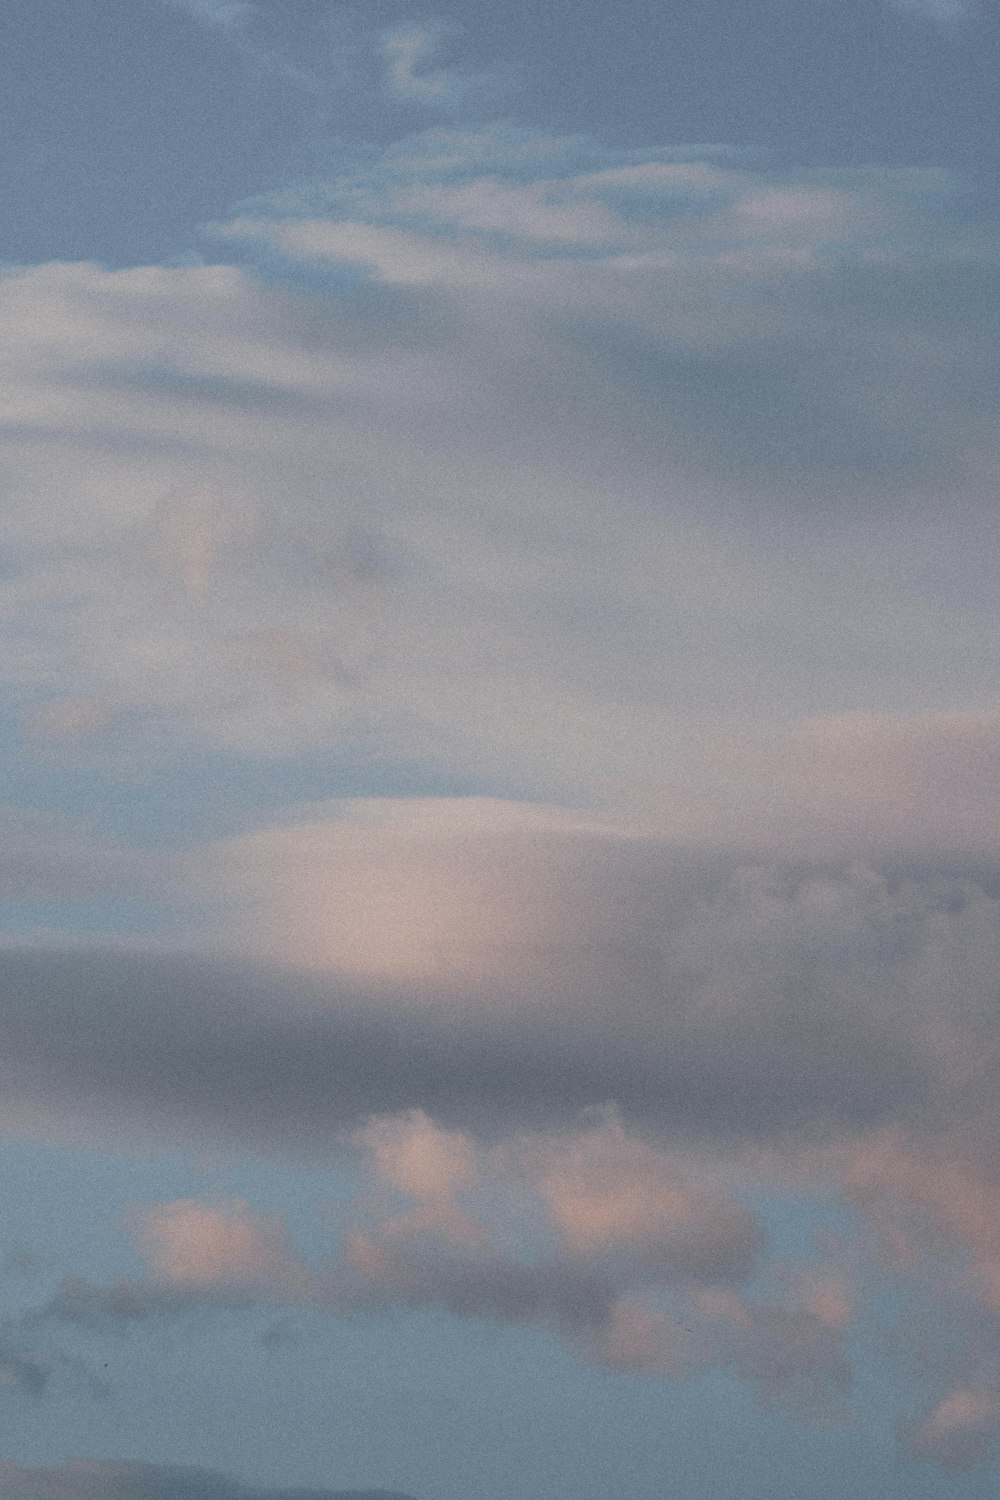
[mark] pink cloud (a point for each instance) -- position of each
(934, 1199)
(962, 1429)
(416, 1157)
(200, 1246)
(607, 1191)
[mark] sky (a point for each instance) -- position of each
(499, 736)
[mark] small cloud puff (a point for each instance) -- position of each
(197, 1245)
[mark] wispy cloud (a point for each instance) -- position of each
(414, 75)
(943, 12)
(93, 1479)
(224, 13)
(252, 579)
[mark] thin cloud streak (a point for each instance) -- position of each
(94, 1479)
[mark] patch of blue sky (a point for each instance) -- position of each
(368, 1401)
(164, 122)
(803, 1224)
(79, 1226)
(120, 136)
(189, 795)
(84, 915)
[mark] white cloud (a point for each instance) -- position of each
(549, 527)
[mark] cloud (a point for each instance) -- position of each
(279, 516)
(461, 959)
(198, 1245)
(926, 1196)
(95, 1479)
(647, 494)
(23, 1368)
(224, 13)
(944, 12)
(414, 1157)
(473, 976)
(48, 856)
(961, 1430)
(410, 53)
(489, 1232)
(614, 1196)
(628, 1222)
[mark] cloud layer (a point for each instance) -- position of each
(567, 463)
(647, 495)
(82, 1479)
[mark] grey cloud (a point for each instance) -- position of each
(705, 997)
(961, 1430)
(31, 1363)
(413, 76)
(561, 1293)
(788, 1351)
(184, 1045)
(125, 1303)
(24, 1369)
(598, 1303)
(82, 1479)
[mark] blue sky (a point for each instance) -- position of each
(501, 897)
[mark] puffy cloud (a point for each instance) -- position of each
(415, 1157)
(612, 1195)
(486, 1231)
(489, 1284)
(790, 1350)
(192, 1244)
(630, 1224)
